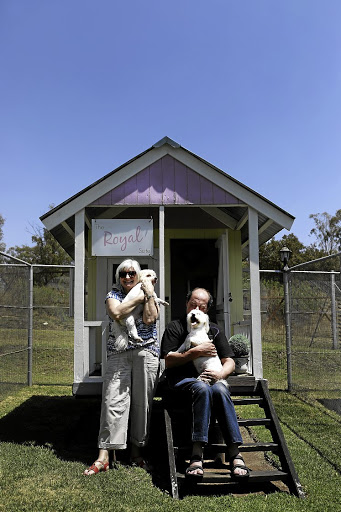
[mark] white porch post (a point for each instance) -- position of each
(162, 266)
(79, 297)
(255, 294)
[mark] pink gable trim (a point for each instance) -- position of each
(167, 181)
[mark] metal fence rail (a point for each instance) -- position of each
(36, 325)
(314, 316)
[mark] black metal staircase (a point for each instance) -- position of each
(245, 391)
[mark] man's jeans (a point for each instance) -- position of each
(210, 401)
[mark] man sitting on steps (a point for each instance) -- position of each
(207, 398)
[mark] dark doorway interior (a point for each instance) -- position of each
(193, 263)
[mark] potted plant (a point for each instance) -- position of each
(240, 345)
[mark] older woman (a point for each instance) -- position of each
(131, 373)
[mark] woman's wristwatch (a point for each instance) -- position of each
(147, 297)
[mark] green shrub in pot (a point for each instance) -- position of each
(240, 345)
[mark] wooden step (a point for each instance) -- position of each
(254, 422)
(249, 447)
(220, 477)
(248, 401)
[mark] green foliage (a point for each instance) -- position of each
(2, 222)
(327, 231)
(44, 251)
(240, 345)
(269, 253)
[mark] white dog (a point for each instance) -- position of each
(198, 327)
(126, 327)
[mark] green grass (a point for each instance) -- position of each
(48, 437)
(52, 357)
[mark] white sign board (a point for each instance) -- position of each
(122, 237)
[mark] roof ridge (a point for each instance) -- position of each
(166, 140)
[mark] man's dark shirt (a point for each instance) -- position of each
(173, 337)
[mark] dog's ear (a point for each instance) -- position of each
(207, 324)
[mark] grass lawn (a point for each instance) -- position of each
(48, 437)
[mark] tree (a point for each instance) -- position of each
(45, 251)
(327, 231)
(269, 253)
(2, 244)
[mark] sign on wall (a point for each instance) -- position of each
(122, 237)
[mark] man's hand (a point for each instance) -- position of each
(210, 376)
(206, 349)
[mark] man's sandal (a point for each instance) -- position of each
(139, 462)
(104, 466)
(195, 477)
(234, 466)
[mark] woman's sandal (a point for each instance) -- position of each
(195, 477)
(104, 466)
(234, 466)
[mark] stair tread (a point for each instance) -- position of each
(222, 476)
(246, 401)
(254, 421)
(246, 447)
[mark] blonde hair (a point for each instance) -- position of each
(126, 264)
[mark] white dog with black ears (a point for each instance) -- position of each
(125, 328)
(198, 327)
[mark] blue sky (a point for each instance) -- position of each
(252, 86)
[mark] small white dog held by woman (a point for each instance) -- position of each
(125, 328)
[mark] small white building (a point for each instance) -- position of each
(178, 214)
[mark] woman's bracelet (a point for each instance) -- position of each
(147, 297)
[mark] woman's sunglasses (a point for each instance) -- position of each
(131, 273)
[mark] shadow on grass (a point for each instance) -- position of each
(67, 425)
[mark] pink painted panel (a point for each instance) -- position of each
(206, 191)
(118, 194)
(180, 182)
(218, 195)
(229, 199)
(155, 179)
(142, 181)
(193, 187)
(167, 181)
(130, 189)
(167, 165)
(106, 199)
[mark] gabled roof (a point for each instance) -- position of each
(168, 174)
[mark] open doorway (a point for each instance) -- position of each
(194, 262)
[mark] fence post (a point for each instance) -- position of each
(333, 308)
(30, 329)
(287, 326)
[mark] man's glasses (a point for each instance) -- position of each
(202, 307)
(130, 273)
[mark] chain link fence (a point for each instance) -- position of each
(315, 321)
(36, 326)
(14, 319)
